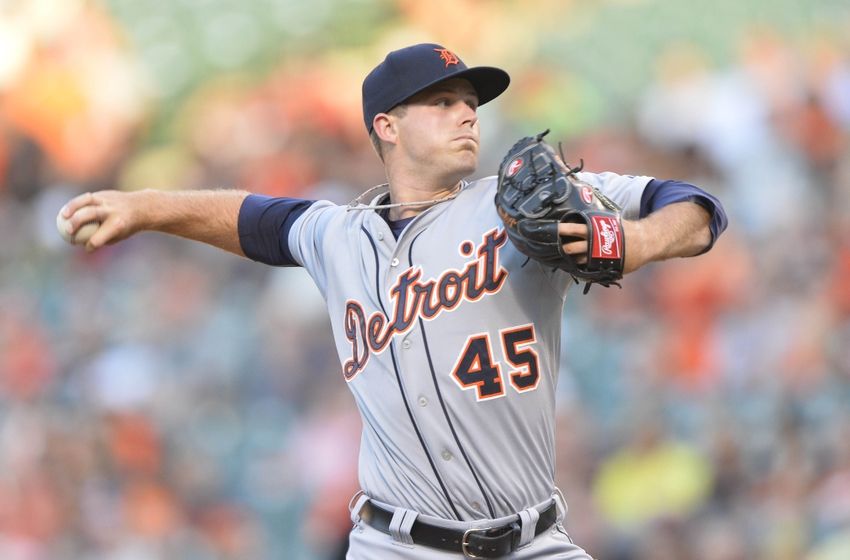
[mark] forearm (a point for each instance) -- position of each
(209, 216)
(676, 230)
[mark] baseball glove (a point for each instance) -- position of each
(536, 192)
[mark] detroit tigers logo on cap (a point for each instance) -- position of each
(514, 167)
(448, 56)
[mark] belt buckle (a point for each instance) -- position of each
(464, 543)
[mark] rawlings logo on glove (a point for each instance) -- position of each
(537, 192)
(608, 240)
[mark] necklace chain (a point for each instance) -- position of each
(357, 205)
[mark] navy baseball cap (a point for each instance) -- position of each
(408, 71)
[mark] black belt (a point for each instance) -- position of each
(486, 542)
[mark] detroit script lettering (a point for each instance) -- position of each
(413, 298)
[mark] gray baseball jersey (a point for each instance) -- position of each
(449, 341)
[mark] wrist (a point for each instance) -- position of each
(142, 210)
(634, 234)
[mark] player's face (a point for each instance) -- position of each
(438, 131)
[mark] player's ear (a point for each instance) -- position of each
(385, 128)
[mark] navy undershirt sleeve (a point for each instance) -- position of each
(264, 224)
(659, 194)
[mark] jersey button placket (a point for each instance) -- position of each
(394, 262)
(447, 455)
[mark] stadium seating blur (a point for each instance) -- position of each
(162, 399)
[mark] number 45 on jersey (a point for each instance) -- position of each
(477, 369)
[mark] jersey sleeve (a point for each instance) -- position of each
(624, 190)
(288, 232)
(310, 233)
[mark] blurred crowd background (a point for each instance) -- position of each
(161, 399)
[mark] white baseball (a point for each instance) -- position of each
(83, 234)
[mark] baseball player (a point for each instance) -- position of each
(448, 336)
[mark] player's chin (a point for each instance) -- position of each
(467, 161)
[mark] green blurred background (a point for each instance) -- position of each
(160, 399)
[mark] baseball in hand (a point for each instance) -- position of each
(83, 233)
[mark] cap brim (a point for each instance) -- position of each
(489, 82)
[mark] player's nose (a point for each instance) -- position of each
(468, 115)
